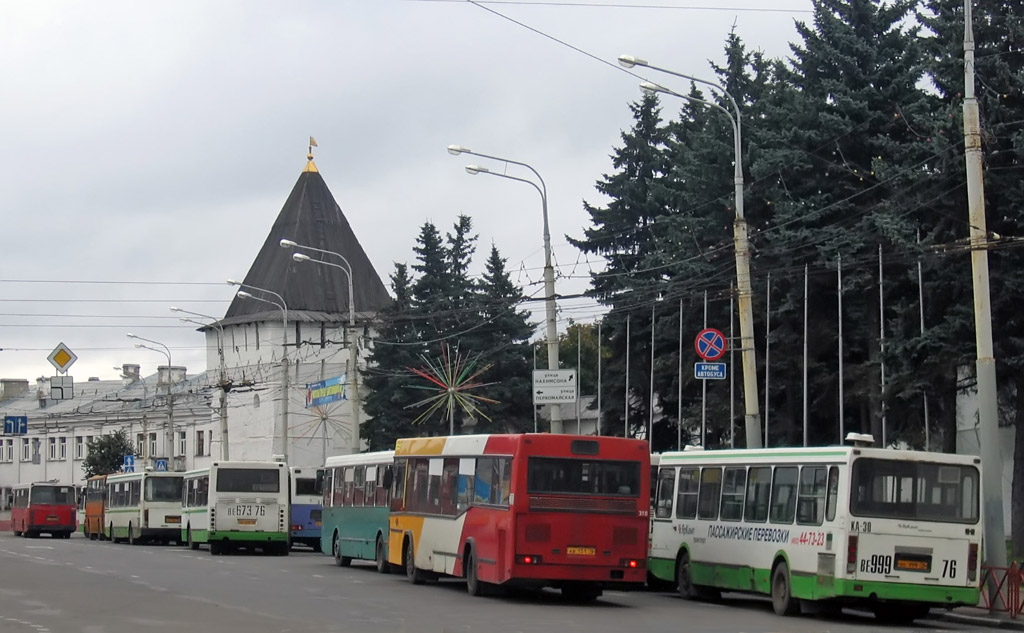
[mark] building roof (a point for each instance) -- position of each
(312, 292)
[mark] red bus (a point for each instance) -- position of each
(531, 510)
(44, 507)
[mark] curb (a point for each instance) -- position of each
(994, 622)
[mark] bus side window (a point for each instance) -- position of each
(136, 492)
(370, 486)
(686, 498)
(327, 487)
(398, 486)
(759, 486)
(666, 490)
(467, 470)
(203, 492)
(732, 493)
(338, 495)
(710, 493)
(506, 481)
(358, 485)
(384, 476)
(349, 477)
(450, 486)
(833, 493)
(482, 481)
(810, 509)
(784, 486)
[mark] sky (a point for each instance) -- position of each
(146, 148)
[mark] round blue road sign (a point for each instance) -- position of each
(710, 344)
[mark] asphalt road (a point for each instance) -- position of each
(79, 586)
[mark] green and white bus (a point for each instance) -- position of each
(897, 532)
(143, 506)
(236, 505)
(356, 508)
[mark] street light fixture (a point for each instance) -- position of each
(740, 239)
(284, 350)
(554, 414)
(166, 351)
(223, 414)
(352, 345)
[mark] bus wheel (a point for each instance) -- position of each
(131, 535)
(683, 581)
(414, 575)
(381, 557)
(339, 560)
(782, 599)
(473, 584)
(191, 543)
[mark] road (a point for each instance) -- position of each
(79, 586)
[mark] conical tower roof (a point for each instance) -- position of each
(312, 292)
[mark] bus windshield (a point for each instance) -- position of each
(922, 491)
(248, 480)
(58, 495)
(550, 475)
(163, 488)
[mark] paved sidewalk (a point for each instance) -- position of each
(977, 616)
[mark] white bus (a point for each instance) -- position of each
(897, 532)
(237, 504)
(143, 506)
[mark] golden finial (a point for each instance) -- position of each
(310, 166)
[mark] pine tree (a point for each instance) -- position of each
(387, 377)
(502, 340)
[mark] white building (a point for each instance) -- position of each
(297, 312)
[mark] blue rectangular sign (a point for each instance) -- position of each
(709, 371)
(15, 424)
(325, 392)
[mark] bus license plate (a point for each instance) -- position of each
(580, 551)
(51, 518)
(912, 565)
(174, 519)
(247, 510)
(247, 521)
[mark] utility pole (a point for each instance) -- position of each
(988, 421)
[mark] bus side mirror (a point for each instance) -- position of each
(389, 477)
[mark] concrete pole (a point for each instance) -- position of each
(598, 376)
(679, 386)
(805, 356)
(625, 432)
(554, 413)
(767, 351)
(650, 402)
(881, 348)
(285, 366)
(353, 360)
(839, 292)
(991, 459)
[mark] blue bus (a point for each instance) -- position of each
(307, 505)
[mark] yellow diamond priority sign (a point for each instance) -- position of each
(62, 358)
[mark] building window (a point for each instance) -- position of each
(8, 455)
(26, 450)
(52, 448)
(79, 447)
(88, 445)
(140, 445)
(182, 443)
(152, 444)
(200, 443)
(62, 446)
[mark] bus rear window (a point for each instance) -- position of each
(164, 488)
(57, 495)
(921, 491)
(248, 480)
(550, 475)
(307, 486)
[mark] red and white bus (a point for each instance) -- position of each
(44, 507)
(529, 510)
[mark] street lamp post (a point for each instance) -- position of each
(224, 452)
(352, 351)
(166, 351)
(281, 305)
(740, 240)
(554, 414)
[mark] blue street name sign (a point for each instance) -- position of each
(15, 424)
(709, 371)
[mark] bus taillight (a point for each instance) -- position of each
(527, 559)
(972, 562)
(631, 563)
(851, 554)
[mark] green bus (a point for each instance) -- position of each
(236, 504)
(897, 532)
(356, 508)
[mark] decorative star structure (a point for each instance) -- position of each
(451, 378)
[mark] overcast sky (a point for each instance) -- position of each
(147, 147)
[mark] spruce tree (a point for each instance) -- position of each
(387, 376)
